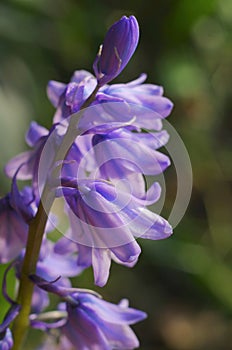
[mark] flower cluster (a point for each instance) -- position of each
(103, 141)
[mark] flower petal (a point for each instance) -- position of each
(82, 331)
(109, 312)
(101, 262)
(34, 133)
(54, 91)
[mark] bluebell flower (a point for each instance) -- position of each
(26, 163)
(147, 100)
(16, 210)
(6, 338)
(122, 152)
(110, 151)
(55, 260)
(93, 323)
(148, 97)
(105, 220)
(36, 165)
(96, 324)
(68, 98)
(119, 45)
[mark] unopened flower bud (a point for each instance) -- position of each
(119, 45)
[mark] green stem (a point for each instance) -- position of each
(35, 236)
(36, 232)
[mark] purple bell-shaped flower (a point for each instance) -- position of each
(91, 322)
(6, 339)
(16, 210)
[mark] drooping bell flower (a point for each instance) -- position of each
(96, 324)
(93, 323)
(6, 339)
(16, 210)
(123, 152)
(37, 163)
(138, 93)
(105, 220)
(146, 100)
(28, 161)
(119, 45)
(68, 98)
(55, 259)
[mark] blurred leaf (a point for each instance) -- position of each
(10, 289)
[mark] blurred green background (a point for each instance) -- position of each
(183, 283)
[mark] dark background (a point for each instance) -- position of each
(183, 283)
